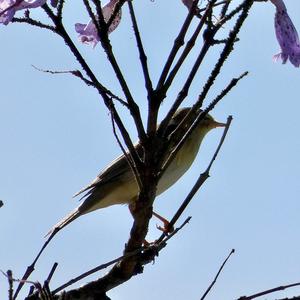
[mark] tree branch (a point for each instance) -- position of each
(270, 291)
(218, 274)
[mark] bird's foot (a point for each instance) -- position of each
(167, 227)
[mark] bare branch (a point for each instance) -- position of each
(31, 267)
(178, 42)
(53, 269)
(270, 291)
(189, 46)
(10, 284)
(292, 298)
(60, 7)
(126, 154)
(88, 82)
(143, 57)
(33, 22)
(218, 274)
(224, 9)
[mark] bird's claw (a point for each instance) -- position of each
(166, 228)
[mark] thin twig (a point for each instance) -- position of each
(230, 15)
(60, 8)
(33, 22)
(224, 9)
(10, 284)
(217, 4)
(31, 267)
(98, 18)
(153, 103)
(31, 290)
(143, 57)
(217, 275)
(178, 42)
(266, 292)
(88, 82)
(288, 298)
(226, 50)
(125, 153)
(52, 272)
(189, 46)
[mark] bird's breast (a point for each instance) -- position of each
(180, 164)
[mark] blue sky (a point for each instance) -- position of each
(56, 136)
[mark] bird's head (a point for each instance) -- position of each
(206, 124)
(209, 122)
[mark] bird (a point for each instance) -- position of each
(116, 184)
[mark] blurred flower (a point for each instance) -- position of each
(8, 8)
(88, 32)
(287, 35)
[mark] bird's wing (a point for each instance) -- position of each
(119, 166)
(111, 173)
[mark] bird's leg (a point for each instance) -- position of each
(167, 228)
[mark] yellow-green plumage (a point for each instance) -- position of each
(117, 185)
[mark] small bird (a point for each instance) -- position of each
(116, 184)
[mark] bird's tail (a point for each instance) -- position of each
(64, 222)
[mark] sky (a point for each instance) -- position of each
(56, 136)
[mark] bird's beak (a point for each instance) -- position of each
(218, 124)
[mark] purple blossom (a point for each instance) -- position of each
(8, 8)
(287, 36)
(88, 32)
